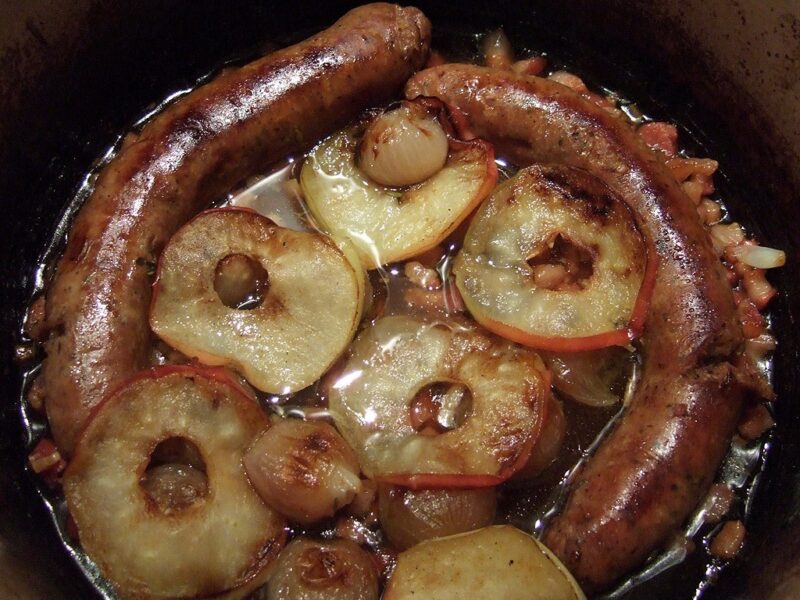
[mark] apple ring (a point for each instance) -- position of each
(293, 334)
(392, 224)
(391, 363)
(554, 260)
(220, 542)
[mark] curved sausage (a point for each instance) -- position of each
(190, 154)
(654, 467)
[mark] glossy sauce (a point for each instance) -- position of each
(525, 505)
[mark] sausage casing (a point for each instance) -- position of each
(190, 154)
(654, 467)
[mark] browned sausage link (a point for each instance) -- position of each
(652, 470)
(190, 154)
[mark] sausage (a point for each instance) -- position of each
(654, 467)
(187, 156)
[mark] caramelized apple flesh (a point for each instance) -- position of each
(216, 541)
(494, 405)
(392, 224)
(301, 298)
(553, 260)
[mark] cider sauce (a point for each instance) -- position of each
(526, 505)
(529, 504)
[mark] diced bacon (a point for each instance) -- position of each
(573, 82)
(758, 348)
(447, 300)
(46, 461)
(694, 190)
(35, 321)
(723, 236)
(756, 421)
(660, 136)
(728, 542)
(718, 503)
(758, 288)
(530, 66)
(753, 323)
(710, 211)
(683, 168)
(36, 395)
(706, 181)
(422, 276)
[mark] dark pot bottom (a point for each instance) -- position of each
(75, 75)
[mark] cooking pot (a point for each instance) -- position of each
(74, 75)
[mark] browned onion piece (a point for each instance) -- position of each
(320, 570)
(303, 469)
(410, 517)
(594, 377)
(549, 444)
(403, 146)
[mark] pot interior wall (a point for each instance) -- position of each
(75, 75)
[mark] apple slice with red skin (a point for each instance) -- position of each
(392, 362)
(291, 333)
(567, 221)
(387, 224)
(225, 539)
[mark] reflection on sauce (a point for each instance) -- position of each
(276, 196)
(524, 504)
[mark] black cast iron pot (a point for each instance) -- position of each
(75, 74)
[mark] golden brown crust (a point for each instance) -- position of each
(188, 155)
(651, 471)
(114, 513)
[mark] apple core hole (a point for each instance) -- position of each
(440, 406)
(175, 477)
(240, 281)
(560, 265)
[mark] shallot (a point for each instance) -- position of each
(410, 517)
(402, 147)
(303, 469)
(317, 570)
